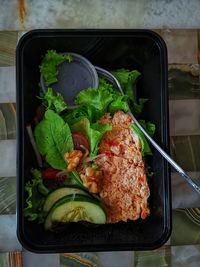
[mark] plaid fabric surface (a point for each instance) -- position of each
(184, 87)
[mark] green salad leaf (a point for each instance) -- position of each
(53, 101)
(49, 66)
(94, 132)
(75, 179)
(145, 148)
(97, 132)
(118, 103)
(36, 191)
(128, 79)
(148, 126)
(98, 99)
(148, 171)
(73, 116)
(53, 139)
(138, 107)
(97, 102)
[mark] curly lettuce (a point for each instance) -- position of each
(54, 101)
(36, 193)
(49, 65)
(128, 80)
(105, 98)
(148, 126)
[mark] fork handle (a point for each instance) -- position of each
(112, 78)
(167, 157)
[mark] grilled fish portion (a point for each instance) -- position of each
(123, 185)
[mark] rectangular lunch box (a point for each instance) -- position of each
(142, 50)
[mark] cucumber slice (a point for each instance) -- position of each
(79, 208)
(58, 194)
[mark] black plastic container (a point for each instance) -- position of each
(111, 49)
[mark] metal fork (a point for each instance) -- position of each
(189, 179)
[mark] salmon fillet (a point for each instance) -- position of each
(123, 185)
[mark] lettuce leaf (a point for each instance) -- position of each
(98, 99)
(49, 66)
(145, 148)
(53, 139)
(97, 132)
(148, 171)
(53, 101)
(128, 79)
(96, 102)
(118, 103)
(76, 114)
(94, 132)
(137, 108)
(36, 191)
(148, 126)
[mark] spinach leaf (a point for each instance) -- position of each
(53, 139)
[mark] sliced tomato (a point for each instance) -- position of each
(107, 153)
(113, 143)
(50, 173)
(39, 114)
(80, 141)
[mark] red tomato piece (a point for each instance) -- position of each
(113, 143)
(107, 153)
(39, 114)
(80, 141)
(50, 173)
